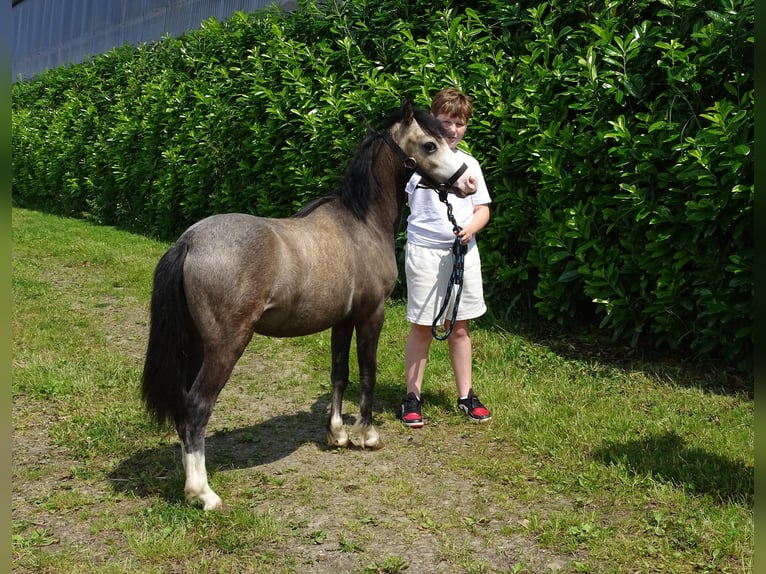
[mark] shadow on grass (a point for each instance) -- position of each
(589, 344)
(666, 458)
(158, 471)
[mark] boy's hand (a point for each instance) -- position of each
(465, 236)
(478, 221)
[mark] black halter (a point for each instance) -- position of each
(412, 164)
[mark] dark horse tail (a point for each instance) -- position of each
(169, 354)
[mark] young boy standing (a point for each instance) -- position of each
(428, 265)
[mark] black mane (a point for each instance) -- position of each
(428, 123)
(355, 189)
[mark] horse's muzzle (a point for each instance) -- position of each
(458, 184)
(465, 185)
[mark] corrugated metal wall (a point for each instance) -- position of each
(48, 33)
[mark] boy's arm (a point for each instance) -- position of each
(478, 222)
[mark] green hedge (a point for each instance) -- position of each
(616, 139)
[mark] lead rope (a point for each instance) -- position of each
(456, 277)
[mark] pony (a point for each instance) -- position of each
(330, 266)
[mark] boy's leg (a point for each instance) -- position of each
(416, 355)
(460, 353)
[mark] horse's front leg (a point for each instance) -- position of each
(364, 433)
(340, 349)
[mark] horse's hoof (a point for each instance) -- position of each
(207, 501)
(365, 437)
(213, 504)
(374, 444)
(337, 440)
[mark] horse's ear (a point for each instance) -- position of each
(407, 112)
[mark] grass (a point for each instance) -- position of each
(592, 463)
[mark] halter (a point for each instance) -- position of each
(412, 164)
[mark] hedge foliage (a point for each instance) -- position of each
(616, 138)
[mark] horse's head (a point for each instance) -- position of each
(421, 142)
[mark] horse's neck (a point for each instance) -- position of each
(389, 199)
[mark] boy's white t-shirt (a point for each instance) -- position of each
(427, 224)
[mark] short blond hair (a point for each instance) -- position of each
(453, 103)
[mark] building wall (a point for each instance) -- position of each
(48, 33)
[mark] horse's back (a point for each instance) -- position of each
(283, 277)
(226, 252)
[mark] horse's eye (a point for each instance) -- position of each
(430, 147)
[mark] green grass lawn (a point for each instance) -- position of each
(592, 462)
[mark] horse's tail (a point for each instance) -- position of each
(168, 353)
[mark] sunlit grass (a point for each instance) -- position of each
(608, 462)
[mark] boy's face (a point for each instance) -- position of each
(455, 128)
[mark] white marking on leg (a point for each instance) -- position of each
(197, 490)
(336, 434)
(365, 436)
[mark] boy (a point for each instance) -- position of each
(428, 264)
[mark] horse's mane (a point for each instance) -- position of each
(427, 122)
(356, 187)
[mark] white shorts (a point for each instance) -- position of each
(428, 271)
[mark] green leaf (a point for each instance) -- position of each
(569, 275)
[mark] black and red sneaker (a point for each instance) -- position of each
(411, 411)
(472, 407)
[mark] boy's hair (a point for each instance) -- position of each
(453, 103)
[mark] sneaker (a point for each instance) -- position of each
(411, 411)
(472, 407)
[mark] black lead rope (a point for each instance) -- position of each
(456, 277)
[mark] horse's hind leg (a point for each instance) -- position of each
(197, 491)
(199, 401)
(341, 345)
